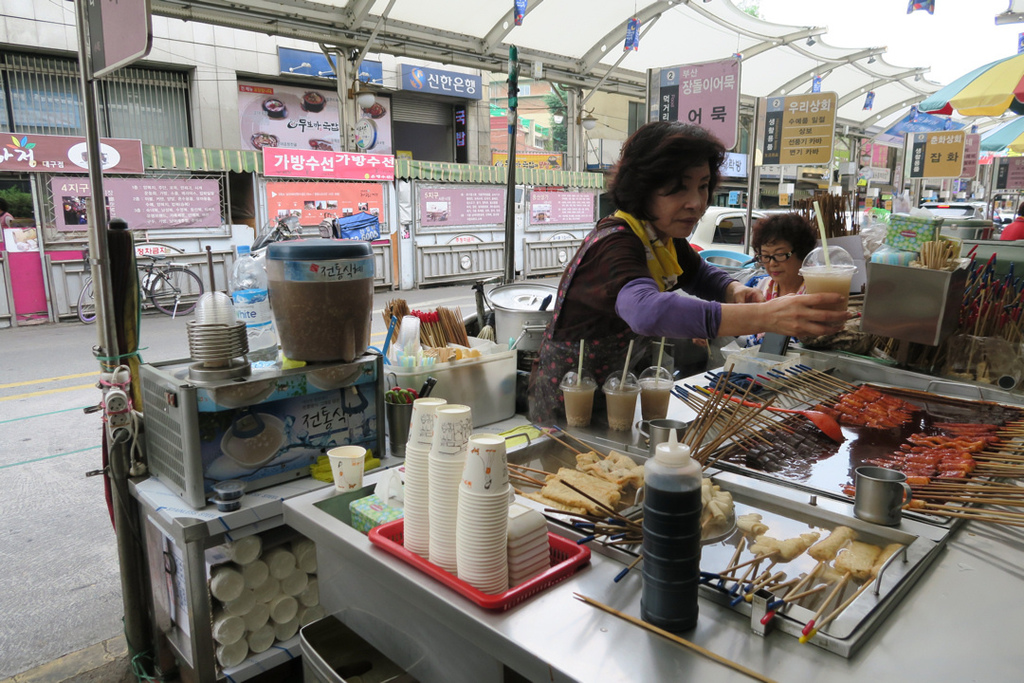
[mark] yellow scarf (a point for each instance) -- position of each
(661, 257)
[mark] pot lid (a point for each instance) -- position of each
(318, 249)
(522, 296)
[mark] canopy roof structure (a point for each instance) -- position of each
(580, 43)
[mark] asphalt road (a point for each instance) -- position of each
(58, 555)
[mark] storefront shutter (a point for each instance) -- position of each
(421, 110)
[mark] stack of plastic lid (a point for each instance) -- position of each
(528, 551)
(417, 467)
(447, 459)
(481, 532)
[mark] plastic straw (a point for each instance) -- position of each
(625, 368)
(821, 229)
(661, 351)
(579, 372)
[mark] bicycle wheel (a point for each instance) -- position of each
(174, 290)
(87, 304)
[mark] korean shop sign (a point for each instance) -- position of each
(67, 154)
(706, 95)
(799, 129)
(438, 82)
(1010, 173)
(293, 163)
(937, 155)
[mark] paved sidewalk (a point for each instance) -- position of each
(105, 662)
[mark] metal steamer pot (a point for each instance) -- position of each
(522, 311)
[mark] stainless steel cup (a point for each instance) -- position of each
(399, 416)
(657, 431)
(881, 495)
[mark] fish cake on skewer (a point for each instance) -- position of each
(826, 549)
(857, 560)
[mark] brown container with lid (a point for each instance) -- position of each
(321, 293)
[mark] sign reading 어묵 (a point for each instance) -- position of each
(799, 129)
(936, 155)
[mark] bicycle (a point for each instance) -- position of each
(173, 290)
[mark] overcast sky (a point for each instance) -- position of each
(959, 37)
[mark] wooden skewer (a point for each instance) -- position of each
(796, 597)
(824, 605)
(528, 469)
(838, 610)
(549, 434)
(583, 443)
(778, 576)
(759, 558)
(676, 639)
(523, 479)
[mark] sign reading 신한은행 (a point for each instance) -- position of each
(936, 155)
(799, 129)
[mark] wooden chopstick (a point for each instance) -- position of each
(676, 639)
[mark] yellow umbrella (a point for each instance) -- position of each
(986, 91)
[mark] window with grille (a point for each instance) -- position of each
(41, 95)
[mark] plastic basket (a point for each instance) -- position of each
(566, 559)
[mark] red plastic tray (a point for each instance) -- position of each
(566, 559)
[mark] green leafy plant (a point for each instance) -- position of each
(18, 203)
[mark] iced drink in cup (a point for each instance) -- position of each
(620, 398)
(833, 276)
(655, 390)
(579, 398)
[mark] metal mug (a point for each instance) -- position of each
(880, 496)
(659, 431)
(399, 416)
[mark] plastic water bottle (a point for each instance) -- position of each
(252, 305)
(672, 508)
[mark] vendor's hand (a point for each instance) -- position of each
(737, 293)
(807, 315)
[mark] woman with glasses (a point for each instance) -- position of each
(780, 244)
(623, 282)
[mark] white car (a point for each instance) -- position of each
(724, 228)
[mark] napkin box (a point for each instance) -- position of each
(370, 512)
(908, 233)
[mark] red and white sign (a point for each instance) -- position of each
(314, 202)
(151, 250)
(290, 163)
(67, 154)
(972, 150)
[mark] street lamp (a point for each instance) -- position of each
(589, 122)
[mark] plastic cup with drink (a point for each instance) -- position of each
(829, 270)
(620, 399)
(655, 391)
(578, 392)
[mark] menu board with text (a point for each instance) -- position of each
(800, 129)
(445, 206)
(145, 203)
(561, 207)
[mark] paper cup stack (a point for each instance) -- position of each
(447, 459)
(481, 531)
(417, 467)
(262, 597)
(528, 550)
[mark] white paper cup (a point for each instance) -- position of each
(241, 605)
(257, 617)
(310, 597)
(255, 573)
(261, 639)
(280, 562)
(305, 555)
(294, 583)
(245, 550)
(347, 465)
(266, 590)
(283, 608)
(228, 628)
(308, 615)
(486, 469)
(287, 629)
(226, 583)
(233, 654)
(453, 425)
(421, 429)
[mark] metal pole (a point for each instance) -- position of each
(130, 553)
(510, 189)
(753, 173)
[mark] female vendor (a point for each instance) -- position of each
(620, 285)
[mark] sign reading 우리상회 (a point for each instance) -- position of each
(799, 129)
(706, 94)
(936, 155)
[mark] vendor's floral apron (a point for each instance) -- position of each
(603, 355)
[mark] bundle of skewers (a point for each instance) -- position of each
(937, 255)
(841, 559)
(438, 328)
(833, 211)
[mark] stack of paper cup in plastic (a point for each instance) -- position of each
(417, 466)
(262, 597)
(528, 550)
(481, 531)
(447, 458)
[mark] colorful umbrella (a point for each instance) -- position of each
(1009, 137)
(986, 91)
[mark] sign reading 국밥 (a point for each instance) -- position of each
(937, 155)
(799, 129)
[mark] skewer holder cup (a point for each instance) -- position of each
(913, 304)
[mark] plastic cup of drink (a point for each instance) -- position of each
(347, 463)
(832, 277)
(578, 393)
(655, 391)
(620, 398)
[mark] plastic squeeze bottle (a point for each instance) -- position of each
(252, 305)
(671, 547)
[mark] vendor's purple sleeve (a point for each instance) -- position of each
(653, 313)
(708, 282)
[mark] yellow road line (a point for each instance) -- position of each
(47, 391)
(48, 379)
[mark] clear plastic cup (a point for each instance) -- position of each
(620, 398)
(832, 277)
(655, 391)
(578, 393)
